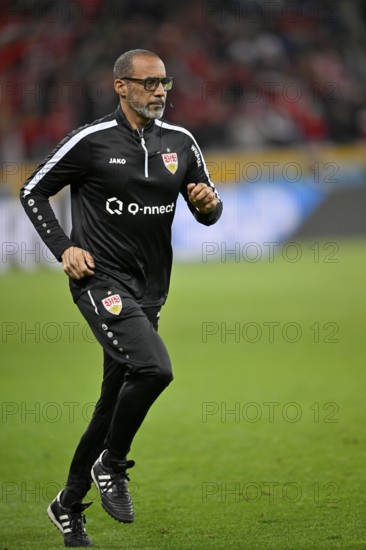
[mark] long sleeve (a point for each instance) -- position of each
(66, 165)
(197, 173)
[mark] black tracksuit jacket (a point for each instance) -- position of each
(124, 187)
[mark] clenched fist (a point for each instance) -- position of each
(202, 197)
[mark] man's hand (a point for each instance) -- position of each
(202, 197)
(77, 263)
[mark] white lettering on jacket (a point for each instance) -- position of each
(114, 160)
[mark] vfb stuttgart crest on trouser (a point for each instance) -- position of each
(171, 162)
(113, 304)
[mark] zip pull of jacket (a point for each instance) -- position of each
(141, 134)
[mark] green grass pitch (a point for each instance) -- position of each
(259, 443)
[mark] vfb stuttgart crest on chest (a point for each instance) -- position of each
(171, 162)
(113, 304)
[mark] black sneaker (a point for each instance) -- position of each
(70, 521)
(112, 485)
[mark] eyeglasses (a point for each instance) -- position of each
(151, 84)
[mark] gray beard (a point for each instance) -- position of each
(147, 113)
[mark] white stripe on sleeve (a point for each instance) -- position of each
(60, 153)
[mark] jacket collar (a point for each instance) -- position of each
(122, 120)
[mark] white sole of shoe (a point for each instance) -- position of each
(54, 520)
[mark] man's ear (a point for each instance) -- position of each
(120, 87)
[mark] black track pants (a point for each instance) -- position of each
(136, 370)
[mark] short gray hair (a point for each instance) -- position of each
(124, 64)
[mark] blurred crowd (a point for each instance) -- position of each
(248, 73)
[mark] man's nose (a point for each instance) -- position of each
(159, 90)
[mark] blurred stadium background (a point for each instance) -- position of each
(275, 93)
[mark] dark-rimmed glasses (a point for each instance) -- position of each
(151, 84)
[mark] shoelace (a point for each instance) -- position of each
(77, 521)
(77, 518)
(119, 479)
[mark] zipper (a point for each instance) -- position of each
(141, 134)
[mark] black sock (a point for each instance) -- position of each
(68, 498)
(111, 460)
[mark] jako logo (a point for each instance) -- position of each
(114, 160)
